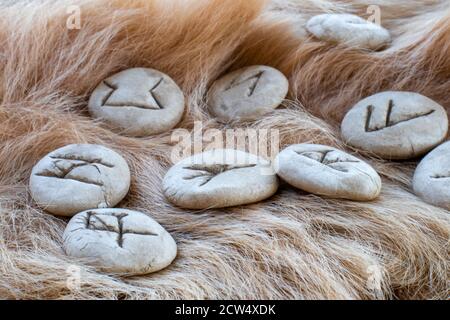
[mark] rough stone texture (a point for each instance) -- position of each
(220, 178)
(78, 177)
(247, 93)
(138, 102)
(328, 171)
(349, 29)
(395, 125)
(431, 180)
(119, 241)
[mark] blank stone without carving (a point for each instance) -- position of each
(327, 171)
(247, 94)
(79, 177)
(350, 30)
(395, 125)
(139, 102)
(220, 178)
(119, 241)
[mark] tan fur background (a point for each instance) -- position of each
(294, 245)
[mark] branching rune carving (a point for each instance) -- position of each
(92, 218)
(389, 122)
(61, 170)
(210, 171)
(157, 105)
(321, 157)
(254, 80)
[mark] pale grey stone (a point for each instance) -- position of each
(350, 30)
(395, 125)
(327, 171)
(220, 178)
(138, 102)
(247, 94)
(119, 241)
(431, 179)
(78, 177)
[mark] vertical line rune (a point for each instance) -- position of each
(389, 112)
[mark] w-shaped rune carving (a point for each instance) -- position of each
(210, 171)
(322, 157)
(153, 97)
(253, 83)
(389, 122)
(95, 222)
(64, 165)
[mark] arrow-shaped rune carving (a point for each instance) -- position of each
(253, 80)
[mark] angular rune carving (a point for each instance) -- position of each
(152, 92)
(208, 172)
(155, 105)
(322, 157)
(65, 164)
(253, 83)
(389, 122)
(96, 223)
(112, 88)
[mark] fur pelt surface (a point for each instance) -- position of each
(293, 245)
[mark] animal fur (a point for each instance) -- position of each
(293, 245)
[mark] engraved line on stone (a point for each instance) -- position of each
(439, 176)
(388, 122)
(61, 172)
(107, 228)
(389, 112)
(120, 235)
(323, 159)
(64, 172)
(152, 92)
(356, 22)
(131, 105)
(368, 117)
(255, 79)
(211, 171)
(88, 219)
(84, 159)
(110, 86)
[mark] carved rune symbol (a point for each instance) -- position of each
(154, 104)
(208, 172)
(93, 221)
(355, 22)
(322, 157)
(389, 122)
(64, 165)
(440, 176)
(253, 80)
